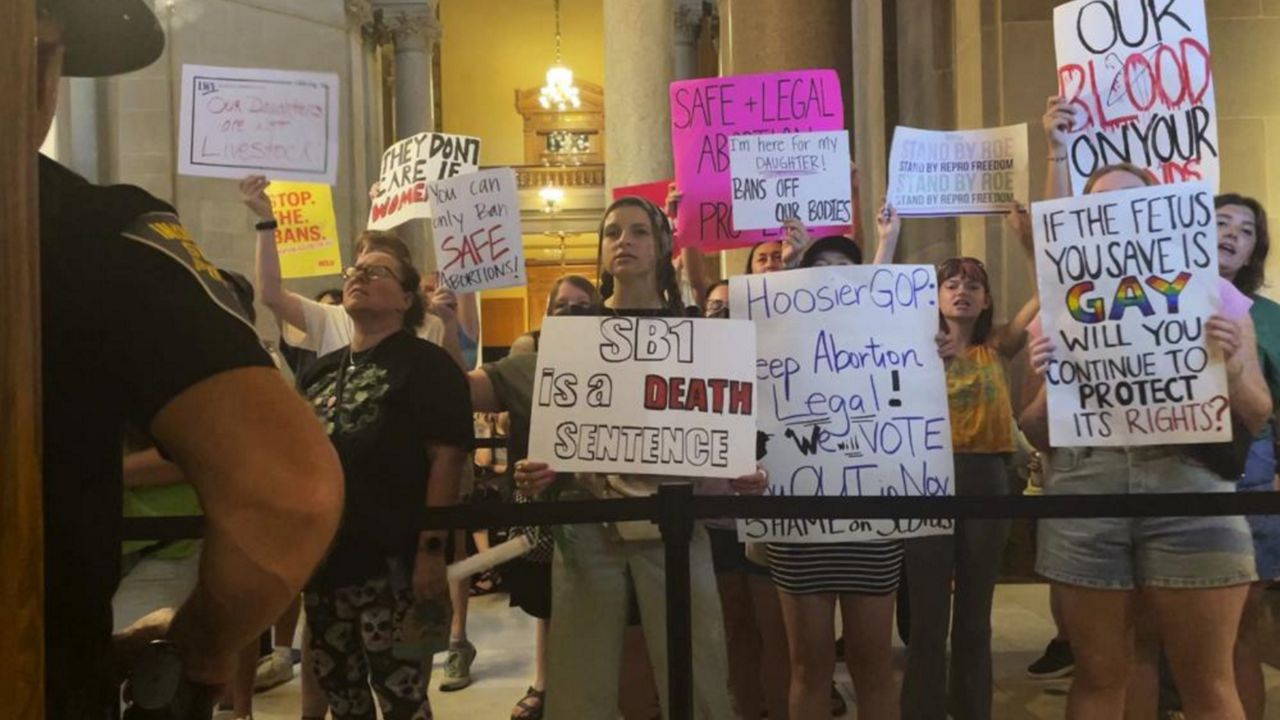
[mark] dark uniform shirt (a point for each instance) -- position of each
(132, 316)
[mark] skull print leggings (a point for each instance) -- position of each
(352, 632)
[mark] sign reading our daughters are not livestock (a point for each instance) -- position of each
(1127, 281)
(779, 177)
(645, 395)
(475, 226)
(409, 165)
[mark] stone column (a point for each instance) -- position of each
(758, 36)
(415, 31)
(637, 74)
(688, 16)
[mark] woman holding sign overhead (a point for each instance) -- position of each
(1193, 573)
(598, 568)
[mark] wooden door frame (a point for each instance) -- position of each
(21, 521)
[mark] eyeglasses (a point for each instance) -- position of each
(368, 272)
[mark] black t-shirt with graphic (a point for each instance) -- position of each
(382, 407)
(133, 315)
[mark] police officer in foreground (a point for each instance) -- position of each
(140, 329)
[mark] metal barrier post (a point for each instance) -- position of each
(675, 520)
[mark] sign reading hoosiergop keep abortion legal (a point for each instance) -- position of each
(645, 395)
(852, 394)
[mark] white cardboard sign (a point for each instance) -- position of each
(798, 175)
(475, 226)
(965, 172)
(409, 165)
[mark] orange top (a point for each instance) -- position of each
(978, 395)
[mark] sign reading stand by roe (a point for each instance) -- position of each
(645, 396)
(705, 113)
(852, 394)
(1140, 77)
(1127, 281)
(964, 172)
(475, 225)
(409, 165)
(242, 121)
(780, 177)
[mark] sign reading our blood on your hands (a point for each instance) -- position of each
(705, 113)
(1139, 75)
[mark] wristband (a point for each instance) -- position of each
(267, 225)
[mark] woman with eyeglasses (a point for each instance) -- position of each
(982, 437)
(398, 411)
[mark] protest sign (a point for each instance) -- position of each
(705, 113)
(852, 394)
(964, 172)
(242, 121)
(475, 226)
(1140, 77)
(1127, 281)
(409, 165)
(645, 395)
(307, 236)
(780, 177)
(654, 192)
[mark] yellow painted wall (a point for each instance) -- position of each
(491, 48)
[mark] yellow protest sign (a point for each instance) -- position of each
(307, 239)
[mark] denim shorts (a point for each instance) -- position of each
(1124, 553)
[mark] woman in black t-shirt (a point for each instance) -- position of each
(398, 411)
(599, 569)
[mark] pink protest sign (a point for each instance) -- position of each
(705, 113)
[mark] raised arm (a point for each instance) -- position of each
(888, 230)
(284, 304)
(1250, 396)
(1010, 337)
(1059, 118)
(271, 488)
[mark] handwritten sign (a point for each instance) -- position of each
(409, 165)
(1127, 280)
(705, 113)
(475, 225)
(780, 177)
(1140, 76)
(307, 236)
(645, 395)
(852, 393)
(966, 172)
(241, 121)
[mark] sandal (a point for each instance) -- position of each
(530, 706)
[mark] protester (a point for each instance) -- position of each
(860, 578)
(982, 437)
(596, 571)
(1244, 242)
(183, 361)
(1099, 562)
(399, 413)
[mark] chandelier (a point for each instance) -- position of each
(559, 93)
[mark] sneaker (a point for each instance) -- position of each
(1057, 662)
(274, 670)
(457, 666)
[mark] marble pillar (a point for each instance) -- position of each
(688, 17)
(638, 69)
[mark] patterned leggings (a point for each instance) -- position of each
(352, 632)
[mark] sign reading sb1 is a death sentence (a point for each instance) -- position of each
(1140, 77)
(705, 113)
(645, 395)
(852, 394)
(964, 172)
(409, 165)
(780, 177)
(242, 121)
(475, 225)
(1127, 281)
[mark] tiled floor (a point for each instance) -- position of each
(505, 640)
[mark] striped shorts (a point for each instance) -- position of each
(863, 568)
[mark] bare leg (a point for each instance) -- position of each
(1248, 662)
(315, 705)
(459, 592)
(775, 669)
(868, 650)
(1142, 696)
(1202, 626)
(810, 623)
(287, 626)
(242, 681)
(540, 655)
(1055, 609)
(1100, 625)
(742, 642)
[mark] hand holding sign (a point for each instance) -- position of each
(801, 176)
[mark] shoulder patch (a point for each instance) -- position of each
(163, 231)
